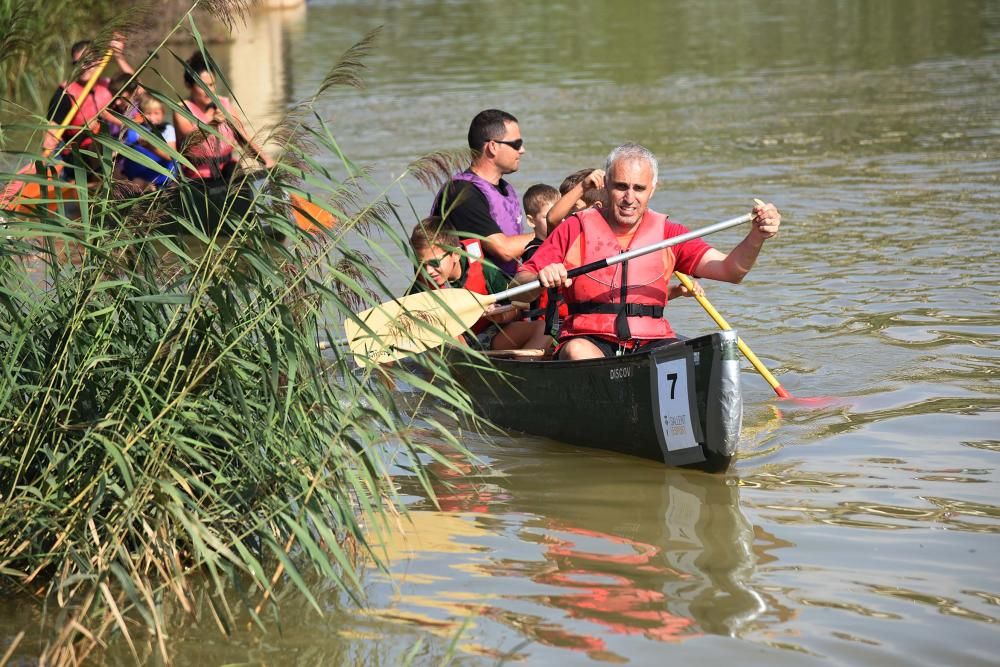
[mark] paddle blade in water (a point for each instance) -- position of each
(813, 401)
(414, 323)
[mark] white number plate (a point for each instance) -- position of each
(675, 406)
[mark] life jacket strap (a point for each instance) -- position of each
(631, 309)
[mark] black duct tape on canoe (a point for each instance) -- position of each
(724, 417)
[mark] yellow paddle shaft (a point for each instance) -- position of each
(87, 87)
(744, 348)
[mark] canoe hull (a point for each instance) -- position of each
(680, 404)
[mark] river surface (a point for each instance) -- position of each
(862, 531)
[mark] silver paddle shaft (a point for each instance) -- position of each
(631, 254)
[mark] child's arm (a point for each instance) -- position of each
(169, 138)
(567, 204)
(501, 314)
(563, 208)
(160, 153)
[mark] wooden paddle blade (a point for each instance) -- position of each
(414, 323)
(310, 217)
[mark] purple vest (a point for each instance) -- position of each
(505, 211)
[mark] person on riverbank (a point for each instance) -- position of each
(152, 115)
(208, 135)
(619, 309)
(94, 108)
(479, 202)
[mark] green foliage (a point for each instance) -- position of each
(34, 45)
(167, 416)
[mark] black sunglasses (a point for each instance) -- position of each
(433, 263)
(515, 144)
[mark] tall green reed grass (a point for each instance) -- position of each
(36, 36)
(169, 427)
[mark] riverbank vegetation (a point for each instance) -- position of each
(168, 420)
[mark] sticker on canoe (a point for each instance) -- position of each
(675, 406)
(621, 373)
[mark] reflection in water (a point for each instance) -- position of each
(670, 566)
(257, 60)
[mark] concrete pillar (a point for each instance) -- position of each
(257, 68)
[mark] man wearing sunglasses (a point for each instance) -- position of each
(478, 202)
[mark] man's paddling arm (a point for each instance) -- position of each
(733, 267)
(551, 275)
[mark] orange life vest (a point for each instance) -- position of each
(599, 303)
(209, 153)
(475, 279)
(89, 110)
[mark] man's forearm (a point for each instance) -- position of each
(733, 267)
(507, 248)
(521, 278)
(742, 258)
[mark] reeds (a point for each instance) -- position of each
(168, 422)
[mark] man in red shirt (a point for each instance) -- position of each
(619, 309)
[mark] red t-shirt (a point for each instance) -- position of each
(562, 246)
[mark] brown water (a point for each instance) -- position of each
(865, 532)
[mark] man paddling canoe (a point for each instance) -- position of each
(619, 310)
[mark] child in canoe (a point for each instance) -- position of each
(581, 189)
(446, 261)
(538, 201)
(152, 117)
